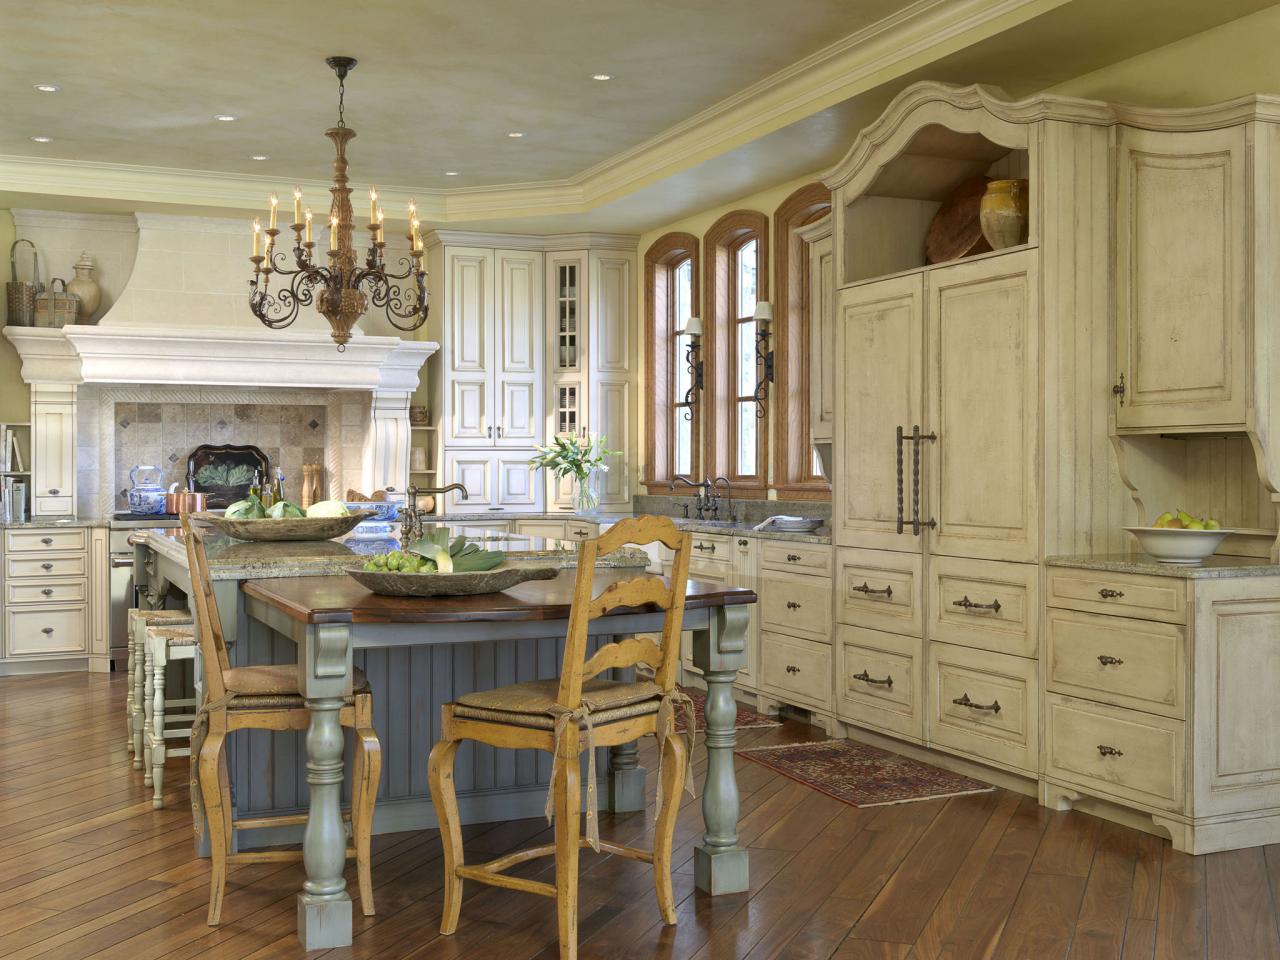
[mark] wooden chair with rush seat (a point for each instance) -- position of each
(578, 713)
(265, 698)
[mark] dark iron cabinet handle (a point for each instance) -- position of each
(792, 557)
(867, 678)
(869, 590)
(792, 605)
(791, 669)
(47, 631)
(1109, 661)
(1106, 593)
(47, 541)
(966, 603)
(709, 547)
(46, 566)
(1107, 751)
(47, 591)
(964, 701)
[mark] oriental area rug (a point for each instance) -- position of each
(861, 775)
(747, 718)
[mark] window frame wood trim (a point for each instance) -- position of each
(793, 448)
(663, 254)
(720, 243)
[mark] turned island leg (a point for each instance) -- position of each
(719, 863)
(325, 675)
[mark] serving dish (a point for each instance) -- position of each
(1174, 545)
(286, 528)
(504, 577)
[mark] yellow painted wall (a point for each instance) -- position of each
(15, 398)
(1227, 61)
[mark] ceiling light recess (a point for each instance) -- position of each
(602, 76)
(225, 117)
(259, 156)
(41, 139)
(515, 134)
(47, 87)
(451, 173)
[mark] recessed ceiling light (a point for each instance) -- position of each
(451, 173)
(602, 76)
(259, 156)
(515, 134)
(47, 87)
(42, 139)
(225, 117)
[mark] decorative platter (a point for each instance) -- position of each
(500, 578)
(226, 471)
(287, 528)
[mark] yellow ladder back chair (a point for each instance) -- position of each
(263, 698)
(580, 712)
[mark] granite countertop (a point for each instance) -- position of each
(231, 559)
(1215, 567)
(821, 535)
(58, 522)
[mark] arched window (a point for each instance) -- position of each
(737, 278)
(796, 474)
(673, 424)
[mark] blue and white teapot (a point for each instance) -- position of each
(146, 496)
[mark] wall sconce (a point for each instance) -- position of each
(693, 361)
(764, 356)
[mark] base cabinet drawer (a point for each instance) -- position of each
(787, 557)
(984, 705)
(580, 530)
(798, 606)
(44, 567)
(878, 680)
(45, 630)
(880, 589)
(1126, 595)
(36, 540)
(796, 670)
(547, 529)
(46, 591)
(1128, 663)
(988, 604)
(1113, 752)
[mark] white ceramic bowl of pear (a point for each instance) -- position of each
(1172, 545)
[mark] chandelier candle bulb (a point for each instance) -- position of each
(373, 204)
(275, 204)
(308, 224)
(333, 234)
(297, 204)
(257, 237)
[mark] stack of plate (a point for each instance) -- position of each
(792, 524)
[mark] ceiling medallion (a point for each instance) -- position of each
(341, 291)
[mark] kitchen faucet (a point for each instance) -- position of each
(411, 525)
(706, 501)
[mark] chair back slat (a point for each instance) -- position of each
(646, 592)
(213, 646)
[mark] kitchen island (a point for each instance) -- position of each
(282, 603)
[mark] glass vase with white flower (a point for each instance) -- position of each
(580, 459)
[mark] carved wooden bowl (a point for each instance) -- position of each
(286, 528)
(500, 578)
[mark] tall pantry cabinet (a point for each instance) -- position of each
(940, 481)
(535, 339)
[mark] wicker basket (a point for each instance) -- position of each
(54, 309)
(20, 295)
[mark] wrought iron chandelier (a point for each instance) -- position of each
(341, 291)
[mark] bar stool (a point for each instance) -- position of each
(135, 696)
(166, 643)
(264, 698)
(577, 714)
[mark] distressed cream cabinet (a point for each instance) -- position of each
(820, 291)
(1164, 703)
(46, 602)
(53, 450)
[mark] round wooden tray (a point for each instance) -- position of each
(449, 584)
(286, 528)
(956, 230)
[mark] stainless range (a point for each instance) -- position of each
(122, 527)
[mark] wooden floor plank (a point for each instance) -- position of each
(89, 871)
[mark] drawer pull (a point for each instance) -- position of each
(1106, 593)
(708, 547)
(964, 701)
(792, 669)
(46, 566)
(47, 631)
(47, 541)
(47, 591)
(966, 603)
(54, 491)
(792, 605)
(1109, 661)
(867, 678)
(743, 542)
(1106, 751)
(792, 557)
(869, 590)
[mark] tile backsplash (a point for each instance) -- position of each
(164, 434)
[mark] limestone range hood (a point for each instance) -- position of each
(180, 331)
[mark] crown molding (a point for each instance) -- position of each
(520, 241)
(113, 222)
(909, 39)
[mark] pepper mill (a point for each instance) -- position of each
(308, 485)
